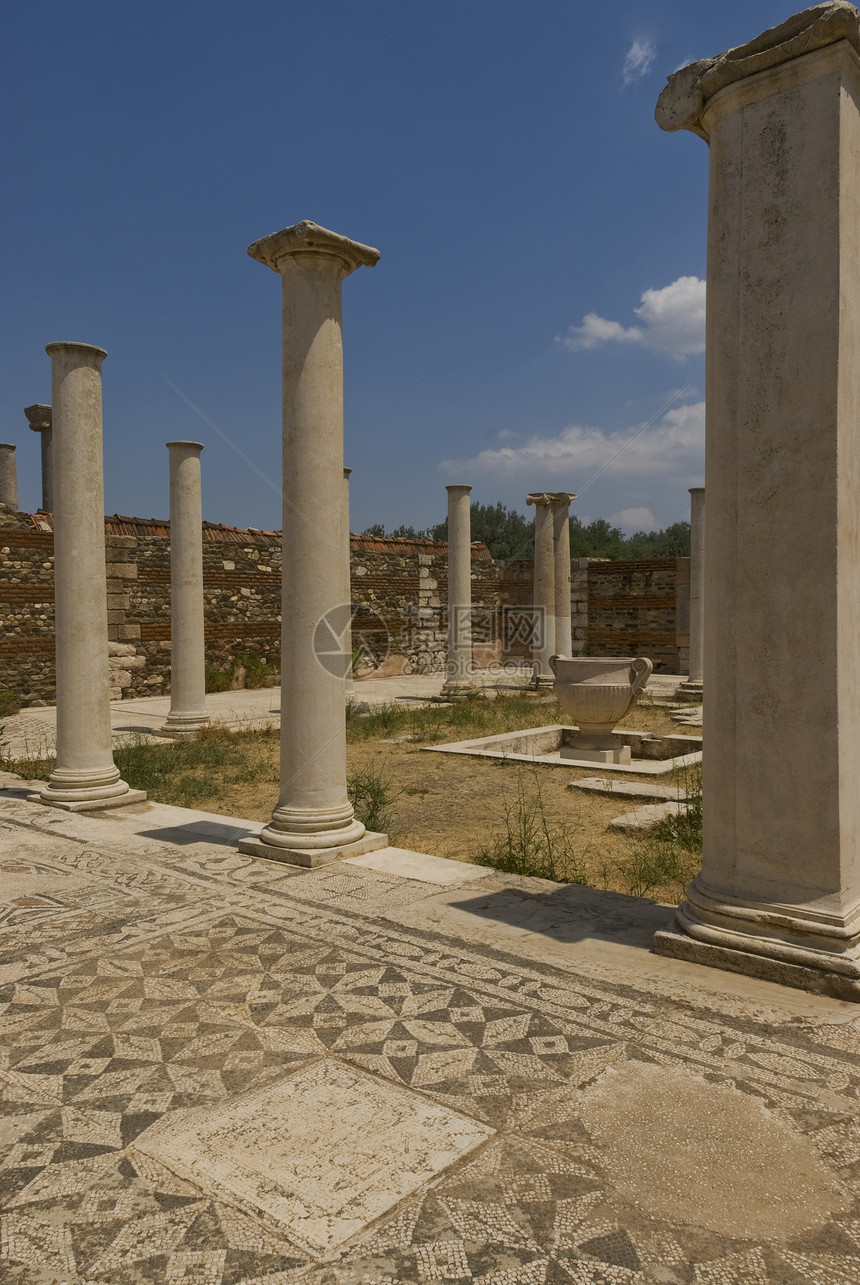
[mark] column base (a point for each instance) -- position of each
(619, 754)
(819, 979)
(89, 805)
(689, 691)
(311, 858)
(182, 728)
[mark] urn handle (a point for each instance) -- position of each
(640, 672)
(553, 664)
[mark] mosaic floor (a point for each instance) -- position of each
(216, 1071)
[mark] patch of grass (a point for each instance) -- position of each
(529, 843)
(217, 680)
(373, 795)
(668, 856)
(462, 720)
(9, 703)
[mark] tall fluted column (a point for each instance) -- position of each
(313, 821)
(692, 689)
(544, 588)
(40, 420)
(8, 477)
(349, 681)
(85, 776)
(562, 501)
(187, 649)
(458, 669)
(778, 895)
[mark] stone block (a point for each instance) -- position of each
(121, 649)
(128, 631)
(122, 570)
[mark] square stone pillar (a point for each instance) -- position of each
(778, 895)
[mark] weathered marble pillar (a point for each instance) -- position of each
(544, 587)
(40, 421)
(313, 821)
(85, 776)
(692, 689)
(187, 649)
(562, 501)
(8, 477)
(778, 895)
(458, 669)
(349, 681)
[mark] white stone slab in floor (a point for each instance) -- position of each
(628, 789)
(320, 1154)
(647, 817)
(419, 865)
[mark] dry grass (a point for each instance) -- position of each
(450, 805)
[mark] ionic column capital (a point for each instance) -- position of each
(550, 497)
(281, 250)
(39, 417)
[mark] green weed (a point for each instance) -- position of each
(529, 843)
(373, 796)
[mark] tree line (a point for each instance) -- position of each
(508, 534)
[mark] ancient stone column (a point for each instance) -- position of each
(692, 688)
(562, 501)
(349, 681)
(544, 587)
(187, 650)
(40, 421)
(8, 477)
(85, 776)
(458, 668)
(313, 821)
(778, 895)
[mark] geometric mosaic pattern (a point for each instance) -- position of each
(145, 981)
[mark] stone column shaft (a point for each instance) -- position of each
(349, 681)
(313, 821)
(187, 646)
(561, 551)
(692, 689)
(458, 669)
(40, 420)
(779, 890)
(8, 477)
(85, 776)
(544, 588)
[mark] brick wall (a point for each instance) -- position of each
(399, 588)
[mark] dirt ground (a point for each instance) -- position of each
(453, 806)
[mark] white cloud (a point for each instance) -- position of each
(505, 435)
(634, 520)
(638, 60)
(672, 448)
(672, 321)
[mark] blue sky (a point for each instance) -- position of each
(540, 293)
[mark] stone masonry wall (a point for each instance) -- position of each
(399, 589)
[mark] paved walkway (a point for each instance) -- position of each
(34, 730)
(223, 1071)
